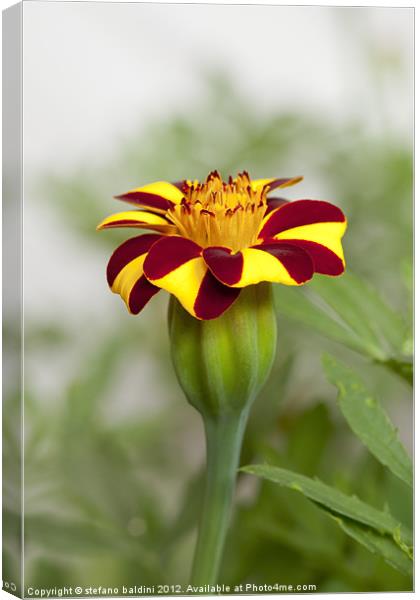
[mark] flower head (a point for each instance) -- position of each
(212, 239)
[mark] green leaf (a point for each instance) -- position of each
(368, 420)
(363, 309)
(349, 311)
(308, 437)
(333, 500)
(377, 544)
(293, 304)
(399, 498)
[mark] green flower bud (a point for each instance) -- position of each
(222, 364)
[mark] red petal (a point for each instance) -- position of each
(324, 260)
(273, 203)
(140, 295)
(224, 265)
(213, 298)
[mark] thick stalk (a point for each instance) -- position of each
(221, 365)
(224, 435)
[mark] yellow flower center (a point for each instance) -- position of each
(216, 213)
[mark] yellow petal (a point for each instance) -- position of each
(257, 184)
(260, 266)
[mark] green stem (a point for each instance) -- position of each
(402, 368)
(224, 435)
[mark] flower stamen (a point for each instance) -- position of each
(218, 213)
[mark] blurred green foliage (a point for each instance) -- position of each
(114, 501)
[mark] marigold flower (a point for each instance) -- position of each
(212, 239)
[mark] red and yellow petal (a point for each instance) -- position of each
(275, 262)
(313, 225)
(326, 234)
(297, 214)
(125, 272)
(273, 184)
(176, 265)
(138, 218)
(170, 254)
(158, 196)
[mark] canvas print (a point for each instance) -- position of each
(207, 321)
